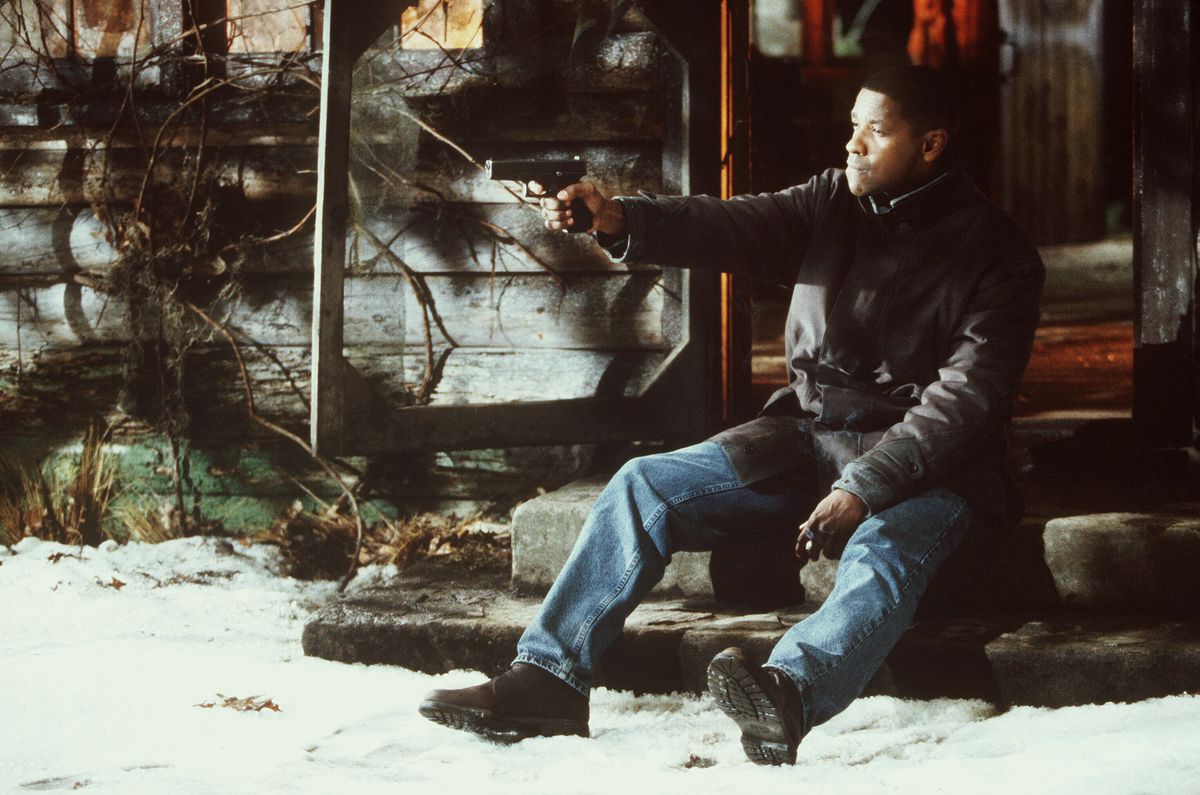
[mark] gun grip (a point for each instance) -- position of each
(581, 216)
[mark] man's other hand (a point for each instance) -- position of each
(608, 216)
(830, 526)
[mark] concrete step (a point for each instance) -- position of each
(1107, 561)
(1046, 660)
(544, 530)
(1095, 539)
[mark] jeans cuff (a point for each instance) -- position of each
(563, 672)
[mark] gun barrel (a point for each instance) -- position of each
(543, 171)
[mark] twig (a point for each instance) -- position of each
(252, 413)
(20, 356)
(423, 300)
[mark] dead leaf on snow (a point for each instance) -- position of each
(115, 584)
(248, 704)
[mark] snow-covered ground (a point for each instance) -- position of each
(102, 687)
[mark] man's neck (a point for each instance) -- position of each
(884, 204)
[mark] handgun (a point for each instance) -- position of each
(553, 176)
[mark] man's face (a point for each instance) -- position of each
(885, 155)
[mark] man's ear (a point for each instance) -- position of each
(933, 143)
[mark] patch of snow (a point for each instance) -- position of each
(104, 682)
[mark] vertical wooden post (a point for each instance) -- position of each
(1165, 223)
(736, 345)
(347, 32)
(329, 240)
(692, 32)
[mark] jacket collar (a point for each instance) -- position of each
(922, 205)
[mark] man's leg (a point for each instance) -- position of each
(830, 656)
(687, 500)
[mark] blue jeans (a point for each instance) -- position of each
(691, 500)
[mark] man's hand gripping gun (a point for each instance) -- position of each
(553, 176)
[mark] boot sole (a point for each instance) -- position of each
(738, 694)
(496, 727)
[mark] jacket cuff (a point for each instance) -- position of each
(884, 475)
(630, 247)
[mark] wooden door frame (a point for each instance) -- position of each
(683, 398)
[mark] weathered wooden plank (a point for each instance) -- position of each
(67, 137)
(460, 238)
(622, 62)
(18, 115)
(258, 111)
(40, 240)
(471, 238)
(591, 311)
(32, 177)
(499, 115)
(394, 175)
(36, 176)
(493, 114)
(74, 384)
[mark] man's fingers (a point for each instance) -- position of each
(576, 190)
(802, 544)
(556, 212)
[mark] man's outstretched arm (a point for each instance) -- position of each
(763, 235)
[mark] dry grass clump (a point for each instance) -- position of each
(320, 545)
(149, 524)
(155, 520)
(55, 506)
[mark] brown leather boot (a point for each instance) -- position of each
(765, 704)
(522, 702)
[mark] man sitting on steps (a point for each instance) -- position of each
(914, 302)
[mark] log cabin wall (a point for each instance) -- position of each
(516, 313)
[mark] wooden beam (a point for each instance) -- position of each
(692, 33)
(329, 238)
(1165, 213)
(348, 30)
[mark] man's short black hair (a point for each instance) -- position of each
(928, 98)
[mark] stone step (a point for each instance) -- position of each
(1046, 660)
(544, 530)
(1108, 561)
(1094, 540)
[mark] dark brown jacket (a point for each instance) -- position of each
(906, 337)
